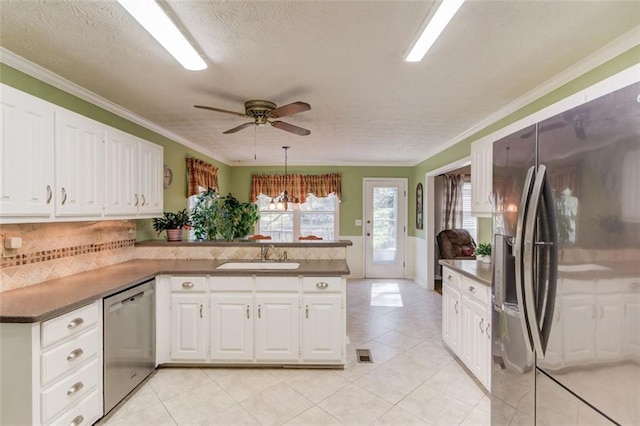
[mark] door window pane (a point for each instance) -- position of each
(385, 218)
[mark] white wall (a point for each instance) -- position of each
(418, 261)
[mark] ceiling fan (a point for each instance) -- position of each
(262, 111)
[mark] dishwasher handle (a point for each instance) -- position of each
(116, 306)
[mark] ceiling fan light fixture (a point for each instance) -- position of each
(433, 27)
(153, 19)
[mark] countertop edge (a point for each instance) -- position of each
(473, 269)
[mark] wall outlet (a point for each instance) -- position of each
(10, 246)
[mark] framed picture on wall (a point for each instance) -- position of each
(419, 224)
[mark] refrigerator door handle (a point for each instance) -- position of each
(518, 254)
(537, 316)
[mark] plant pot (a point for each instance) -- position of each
(174, 234)
(483, 258)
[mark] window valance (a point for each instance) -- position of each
(297, 185)
(200, 174)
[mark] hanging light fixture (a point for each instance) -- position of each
(281, 201)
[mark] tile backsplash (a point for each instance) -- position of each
(56, 250)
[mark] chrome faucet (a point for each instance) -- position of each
(264, 251)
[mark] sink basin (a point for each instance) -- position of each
(259, 265)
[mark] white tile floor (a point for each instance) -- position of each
(413, 380)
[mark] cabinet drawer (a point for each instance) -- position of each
(69, 324)
(231, 283)
(321, 284)
(84, 413)
(69, 355)
(475, 290)
(450, 277)
(277, 283)
(189, 284)
(69, 390)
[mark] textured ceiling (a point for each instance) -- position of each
(345, 58)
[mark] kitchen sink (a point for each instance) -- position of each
(259, 265)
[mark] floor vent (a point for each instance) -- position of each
(364, 355)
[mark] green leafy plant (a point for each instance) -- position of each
(483, 249)
(214, 217)
(170, 220)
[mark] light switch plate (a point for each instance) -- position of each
(358, 222)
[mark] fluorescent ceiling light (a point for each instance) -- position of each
(432, 31)
(158, 24)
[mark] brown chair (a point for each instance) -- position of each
(456, 244)
(310, 237)
(260, 237)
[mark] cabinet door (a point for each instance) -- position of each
(277, 327)
(553, 358)
(79, 165)
(481, 177)
(450, 317)
(150, 189)
(231, 325)
(473, 342)
(322, 327)
(188, 327)
(608, 337)
(578, 327)
(26, 155)
(121, 174)
(631, 327)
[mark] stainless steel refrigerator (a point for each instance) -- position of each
(566, 259)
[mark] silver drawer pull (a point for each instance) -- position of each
(472, 289)
(634, 285)
(74, 354)
(187, 284)
(75, 388)
(75, 323)
(77, 421)
(322, 285)
(450, 277)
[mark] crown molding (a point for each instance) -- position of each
(36, 71)
(618, 46)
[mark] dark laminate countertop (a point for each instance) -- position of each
(44, 301)
(471, 268)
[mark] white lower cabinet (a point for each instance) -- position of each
(253, 319)
(466, 322)
(52, 371)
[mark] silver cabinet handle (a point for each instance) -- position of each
(322, 285)
(77, 421)
(137, 201)
(487, 330)
(472, 289)
(259, 313)
(49, 194)
(200, 311)
(187, 284)
(593, 311)
(144, 201)
(74, 354)
(450, 277)
(456, 306)
(75, 323)
(307, 311)
(247, 311)
(481, 325)
(601, 312)
(75, 388)
(64, 196)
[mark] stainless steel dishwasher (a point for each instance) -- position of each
(129, 341)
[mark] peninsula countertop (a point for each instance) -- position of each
(49, 299)
(473, 269)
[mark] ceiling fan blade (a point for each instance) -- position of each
(241, 114)
(240, 127)
(552, 126)
(290, 128)
(289, 109)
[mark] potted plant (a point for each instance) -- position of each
(483, 252)
(173, 223)
(224, 218)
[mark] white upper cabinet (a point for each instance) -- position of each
(79, 165)
(150, 189)
(58, 165)
(26, 155)
(121, 174)
(481, 177)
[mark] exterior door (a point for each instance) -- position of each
(385, 227)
